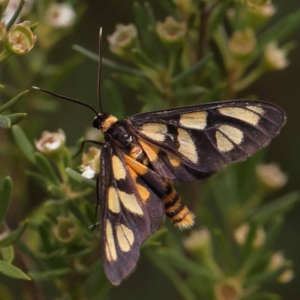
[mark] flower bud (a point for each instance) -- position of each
(270, 176)
(20, 38)
(229, 289)
(60, 15)
(186, 6)
(275, 58)
(286, 276)
(241, 233)
(256, 3)
(263, 12)
(242, 43)
(66, 229)
(171, 31)
(123, 40)
(51, 143)
(277, 260)
(2, 32)
(90, 163)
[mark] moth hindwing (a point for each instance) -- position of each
(142, 153)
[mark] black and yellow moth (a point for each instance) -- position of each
(142, 154)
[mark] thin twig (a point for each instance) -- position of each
(205, 12)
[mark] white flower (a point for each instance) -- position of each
(88, 172)
(275, 57)
(60, 15)
(12, 7)
(123, 39)
(51, 142)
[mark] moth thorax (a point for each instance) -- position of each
(104, 121)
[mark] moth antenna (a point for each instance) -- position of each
(65, 98)
(100, 70)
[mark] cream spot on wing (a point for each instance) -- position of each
(241, 114)
(223, 144)
(196, 120)
(125, 237)
(113, 200)
(130, 202)
(118, 168)
(110, 247)
(232, 133)
(186, 145)
(155, 131)
(173, 161)
(257, 109)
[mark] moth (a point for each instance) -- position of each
(142, 154)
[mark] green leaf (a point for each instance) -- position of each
(12, 101)
(12, 271)
(195, 68)
(8, 254)
(79, 178)
(263, 296)
(263, 277)
(23, 143)
(16, 118)
(179, 283)
(13, 236)
(5, 196)
(180, 262)
(279, 206)
(143, 59)
(109, 63)
(5, 122)
(45, 167)
(281, 30)
(50, 275)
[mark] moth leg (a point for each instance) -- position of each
(83, 144)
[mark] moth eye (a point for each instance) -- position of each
(96, 123)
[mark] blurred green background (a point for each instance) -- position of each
(281, 88)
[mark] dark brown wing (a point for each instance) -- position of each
(195, 141)
(130, 196)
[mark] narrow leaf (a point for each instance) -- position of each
(143, 59)
(12, 271)
(45, 167)
(195, 68)
(51, 274)
(13, 236)
(5, 196)
(12, 101)
(279, 206)
(109, 63)
(23, 143)
(16, 118)
(79, 178)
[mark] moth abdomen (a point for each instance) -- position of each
(179, 214)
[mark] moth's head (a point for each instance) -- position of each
(103, 121)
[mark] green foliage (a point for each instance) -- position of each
(202, 52)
